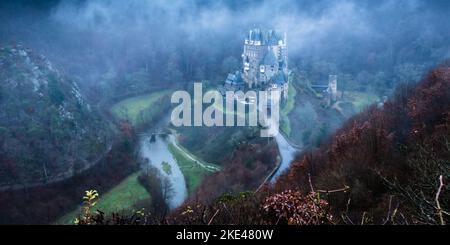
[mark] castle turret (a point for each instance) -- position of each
(265, 55)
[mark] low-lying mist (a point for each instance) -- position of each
(189, 40)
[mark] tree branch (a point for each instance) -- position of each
(214, 216)
(438, 205)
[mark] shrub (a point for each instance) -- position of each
(294, 208)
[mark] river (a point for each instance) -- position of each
(158, 152)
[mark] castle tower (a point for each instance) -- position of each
(285, 53)
(332, 89)
(264, 57)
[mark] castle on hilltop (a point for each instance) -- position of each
(264, 57)
(264, 63)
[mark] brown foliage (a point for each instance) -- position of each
(391, 158)
(381, 144)
(248, 166)
(294, 208)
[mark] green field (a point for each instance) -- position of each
(289, 106)
(141, 108)
(361, 100)
(122, 197)
(192, 171)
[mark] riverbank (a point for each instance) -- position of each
(194, 170)
(128, 193)
(186, 170)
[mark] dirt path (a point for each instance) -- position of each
(61, 177)
(207, 166)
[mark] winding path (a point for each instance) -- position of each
(206, 166)
(287, 151)
(61, 177)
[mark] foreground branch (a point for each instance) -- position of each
(438, 205)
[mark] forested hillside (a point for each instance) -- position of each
(391, 157)
(48, 131)
(88, 104)
(386, 165)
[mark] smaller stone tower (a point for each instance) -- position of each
(332, 89)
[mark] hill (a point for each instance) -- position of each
(48, 131)
(391, 157)
(386, 165)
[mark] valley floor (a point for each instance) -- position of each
(141, 109)
(129, 193)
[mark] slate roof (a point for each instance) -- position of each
(255, 35)
(269, 59)
(235, 79)
(269, 37)
(280, 79)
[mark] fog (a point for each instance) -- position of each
(188, 40)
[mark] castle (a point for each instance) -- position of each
(264, 63)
